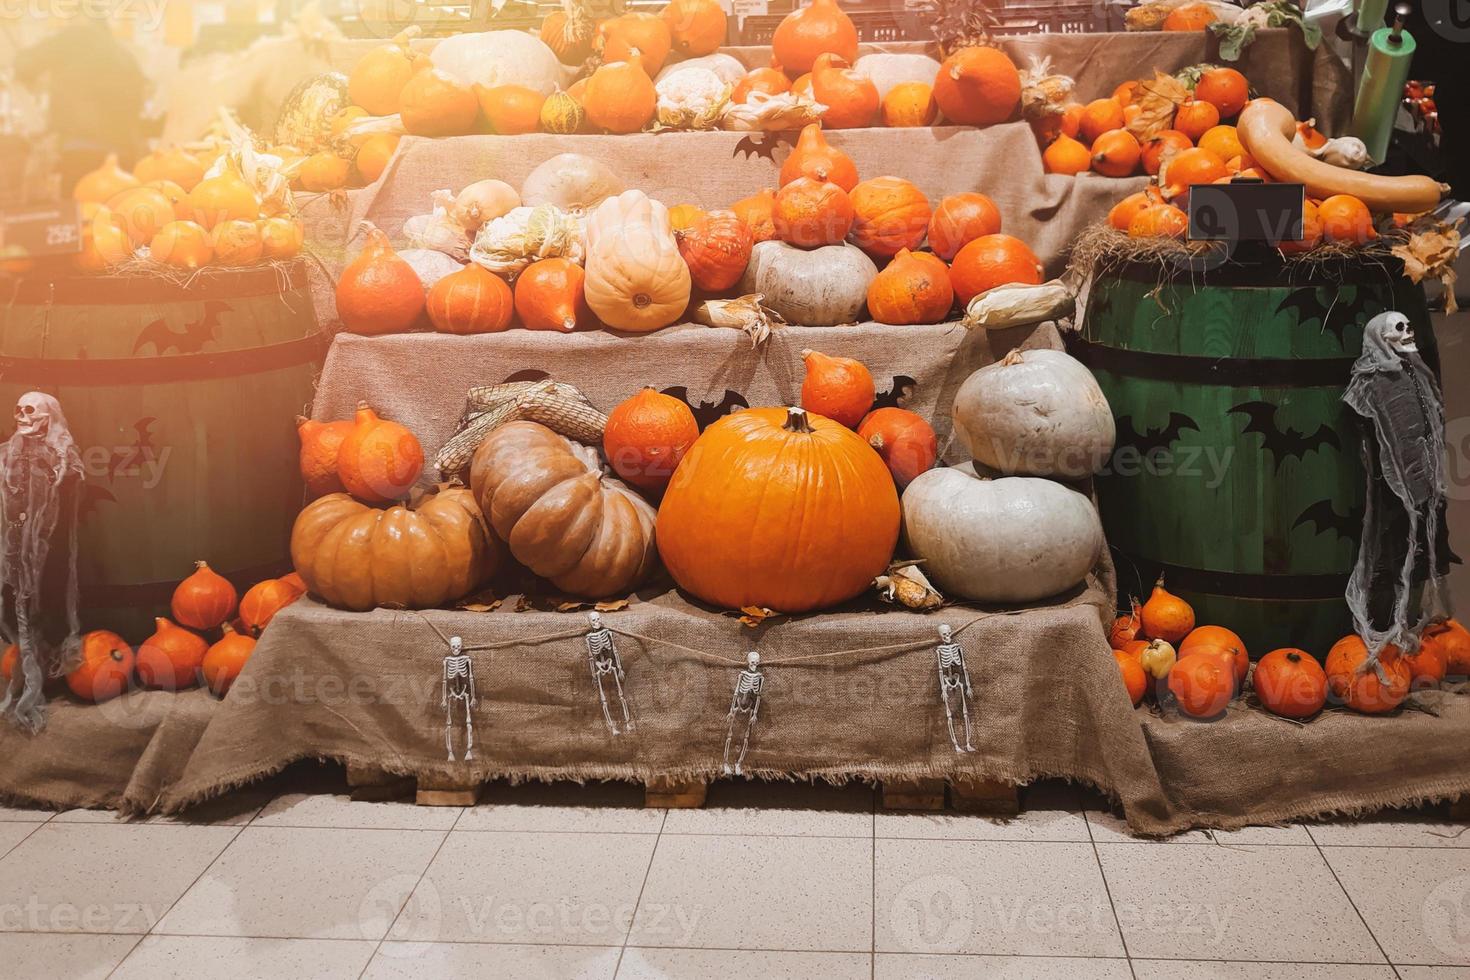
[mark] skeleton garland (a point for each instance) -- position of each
(457, 687)
(36, 466)
(1404, 536)
(954, 685)
(606, 666)
(745, 708)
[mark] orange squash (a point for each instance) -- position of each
(104, 242)
(377, 80)
(910, 104)
(809, 32)
(851, 99)
(181, 244)
(324, 171)
(1115, 153)
(434, 104)
(204, 599)
(281, 238)
(716, 249)
(780, 509)
(1066, 156)
(889, 215)
(990, 261)
(839, 388)
(810, 213)
(1166, 616)
(548, 296)
(261, 602)
(225, 659)
(1125, 629)
(1427, 666)
(1220, 640)
(237, 243)
(903, 440)
(373, 155)
(1290, 683)
(959, 220)
(320, 442)
(470, 301)
(104, 183)
(142, 211)
(644, 36)
(814, 157)
(766, 80)
(757, 213)
(697, 26)
(1156, 147)
(646, 437)
(170, 659)
(105, 669)
(620, 97)
(379, 292)
(977, 86)
(511, 110)
(914, 288)
(379, 461)
(222, 197)
(1359, 686)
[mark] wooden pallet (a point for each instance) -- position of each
(663, 793)
(966, 795)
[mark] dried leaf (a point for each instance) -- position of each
(570, 605)
(1431, 255)
(753, 616)
(1156, 100)
(611, 605)
(481, 607)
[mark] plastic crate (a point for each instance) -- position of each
(872, 26)
(1085, 17)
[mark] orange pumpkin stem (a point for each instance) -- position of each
(796, 420)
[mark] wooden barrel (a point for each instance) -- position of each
(182, 401)
(1237, 473)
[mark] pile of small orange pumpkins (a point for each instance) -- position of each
(184, 219)
(1211, 664)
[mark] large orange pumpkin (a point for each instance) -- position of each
(814, 157)
(810, 213)
(809, 32)
(433, 104)
(646, 437)
(990, 261)
(379, 461)
(889, 214)
(959, 220)
(647, 35)
(697, 26)
(716, 249)
(1359, 686)
(470, 301)
(914, 288)
(777, 508)
(379, 292)
(620, 97)
(107, 665)
(977, 86)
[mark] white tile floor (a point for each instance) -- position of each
(295, 880)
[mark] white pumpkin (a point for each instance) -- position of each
(887, 70)
(492, 58)
(819, 287)
(1012, 539)
(430, 264)
(572, 182)
(1035, 413)
(730, 69)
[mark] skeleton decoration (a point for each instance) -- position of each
(458, 688)
(954, 685)
(1404, 538)
(745, 707)
(40, 488)
(606, 666)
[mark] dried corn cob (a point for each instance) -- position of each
(560, 407)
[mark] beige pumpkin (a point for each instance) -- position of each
(1035, 413)
(562, 517)
(636, 279)
(818, 287)
(1012, 539)
(886, 71)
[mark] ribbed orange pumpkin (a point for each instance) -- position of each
(548, 296)
(379, 292)
(569, 33)
(814, 157)
(851, 99)
(320, 442)
(170, 659)
(811, 31)
(225, 659)
(977, 86)
(811, 212)
(620, 97)
(646, 437)
(697, 26)
(914, 288)
(757, 212)
(716, 249)
(780, 509)
(433, 104)
(379, 461)
(959, 220)
(766, 80)
(472, 300)
(204, 599)
(262, 601)
(646, 34)
(889, 214)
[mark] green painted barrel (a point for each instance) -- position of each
(1237, 472)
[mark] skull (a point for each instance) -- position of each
(595, 618)
(1399, 335)
(456, 646)
(752, 660)
(33, 415)
(946, 634)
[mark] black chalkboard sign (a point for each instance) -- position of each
(54, 228)
(1246, 211)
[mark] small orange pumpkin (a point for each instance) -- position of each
(434, 104)
(839, 388)
(809, 32)
(221, 198)
(104, 183)
(320, 442)
(642, 35)
(376, 81)
(1134, 679)
(910, 104)
(471, 301)
(181, 244)
(1359, 686)
(646, 437)
(914, 288)
(1453, 641)
(548, 296)
(143, 211)
(717, 249)
(204, 599)
(1126, 629)
(379, 292)
(569, 33)
(106, 667)
(851, 99)
(765, 80)
(1221, 639)
(990, 261)
(1166, 616)
(511, 110)
(959, 220)
(262, 601)
(379, 461)
(170, 659)
(172, 164)
(1427, 666)
(757, 213)
(889, 214)
(810, 213)
(620, 97)
(1290, 683)
(697, 26)
(977, 86)
(905, 442)
(225, 659)
(237, 243)
(1203, 684)
(814, 157)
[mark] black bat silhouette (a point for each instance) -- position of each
(131, 458)
(529, 374)
(708, 413)
(193, 338)
(764, 147)
(92, 496)
(898, 393)
(1152, 440)
(1324, 517)
(1334, 307)
(1282, 443)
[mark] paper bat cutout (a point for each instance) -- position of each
(1282, 443)
(193, 338)
(92, 496)
(708, 413)
(898, 393)
(529, 374)
(1324, 517)
(765, 147)
(1152, 440)
(131, 458)
(1334, 307)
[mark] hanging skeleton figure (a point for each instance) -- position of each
(954, 679)
(1405, 540)
(458, 687)
(745, 707)
(40, 492)
(606, 665)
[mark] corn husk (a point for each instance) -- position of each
(558, 406)
(905, 584)
(513, 241)
(771, 113)
(437, 230)
(267, 174)
(691, 98)
(743, 313)
(1042, 92)
(1015, 305)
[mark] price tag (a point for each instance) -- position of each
(1244, 211)
(42, 229)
